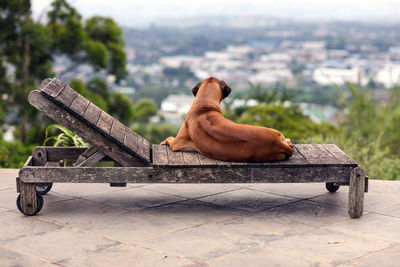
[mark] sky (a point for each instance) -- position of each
(140, 13)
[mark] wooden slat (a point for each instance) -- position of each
(96, 157)
(118, 131)
(45, 82)
(93, 136)
(174, 158)
(105, 122)
(191, 158)
(52, 163)
(339, 154)
(206, 161)
(92, 114)
(143, 148)
(67, 96)
(79, 105)
(223, 162)
(316, 154)
(54, 87)
(130, 139)
(296, 158)
(160, 156)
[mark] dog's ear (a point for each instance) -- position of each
(196, 89)
(226, 90)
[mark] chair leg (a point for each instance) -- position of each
(28, 198)
(356, 193)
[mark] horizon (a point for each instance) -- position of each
(157, 12)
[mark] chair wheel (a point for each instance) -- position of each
(39, 204)
(43, 188)
(331, 187)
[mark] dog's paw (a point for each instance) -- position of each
(289, 142)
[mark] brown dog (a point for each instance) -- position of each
(207, 131)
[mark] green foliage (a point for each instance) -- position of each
(81, 88)
(58, 135)
(14, 154)
(155, 133)
(144, 109)
(121, 107)
(289, 120)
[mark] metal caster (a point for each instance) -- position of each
(331, 187)
(43, 188)
(39, 205)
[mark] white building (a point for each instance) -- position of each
(331, 76)
(389, 75)
(177, 61)
(179, 104)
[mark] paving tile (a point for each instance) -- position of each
(376, 226)
(388, 257)
(191, 190)
(78, 212)
(297, 190)
(392, 211)
(129, 227)
(134, 199)
(84, 190)
(308, 212)
(198, 243)
(128, 255)
(327, 247)
(382, 195)
(14, 224)
(258, 256)
(10, 257)
(247, 199)
(193, 212)
(59, 244)
(261, 228)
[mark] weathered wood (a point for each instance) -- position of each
(96, 157)
(86, 154)
(39, 155)
(204, 161)
(105, 122)
(79, 105)
(92, 114)
(316, 154)
(191, 158)
(339, 154)
(67, 96)
(52, 164)
(356, 193)
(45, 82)
(53, 87)
(80, 128)
(160, 156)
(63, 153)
(223, 174)
(28, 162)
(130, 140)
(143, 148)
(28, 197)
(174, 158)
(118, 131)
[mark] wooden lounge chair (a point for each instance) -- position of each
(135, 162)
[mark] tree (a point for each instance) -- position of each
(144, 109)
(27, 50)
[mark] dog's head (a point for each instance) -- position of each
(225, 89)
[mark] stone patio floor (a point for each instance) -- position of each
(200, 225)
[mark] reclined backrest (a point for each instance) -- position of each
(98, 119)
